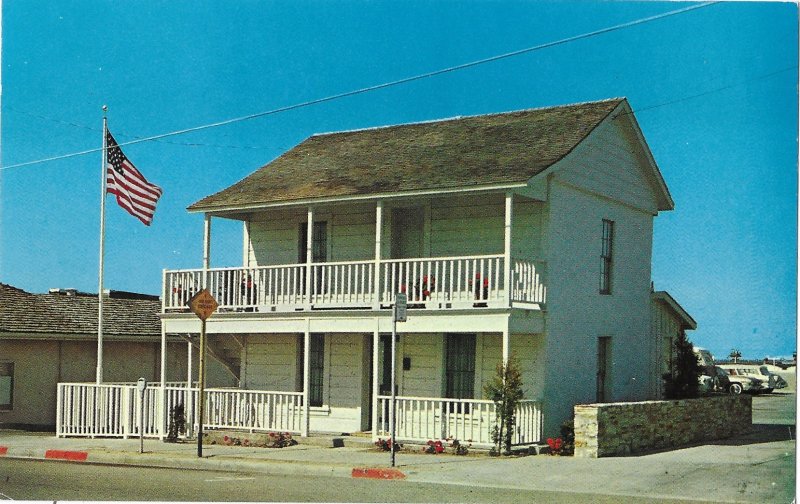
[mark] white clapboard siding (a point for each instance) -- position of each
(610, 162)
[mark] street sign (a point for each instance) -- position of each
(401, 302)
(203, 304)
(141, 386)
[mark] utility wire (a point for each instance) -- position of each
(123, 134)
(704, 93)
(381, 86)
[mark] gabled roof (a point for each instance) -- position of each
(483, 151)
(60, 314)
(687, 321)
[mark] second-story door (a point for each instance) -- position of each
(407, 232)
(319, 250)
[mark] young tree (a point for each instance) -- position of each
(681, 382)
(505, 389)
(735, 355)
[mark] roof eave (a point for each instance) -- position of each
(665, 297)
(235, 209)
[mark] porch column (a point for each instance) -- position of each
(376, 301)
(506, 343)
(309, 255)
(376, 339)
(306, 379)
(206, 247)
(507, 246)
(187, 402)
(162, 397)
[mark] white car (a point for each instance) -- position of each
(769, 380)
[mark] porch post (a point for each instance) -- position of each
(187, 402)
(376, 339)
(376, 301)
(206, 247)
(309, 255)
(162, 399)
(306, 379)
(506, 343)
(507, 246)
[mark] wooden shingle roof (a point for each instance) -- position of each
(23, 312)
(465, 152)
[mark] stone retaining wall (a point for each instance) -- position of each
(609, 429)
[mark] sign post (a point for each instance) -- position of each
(141, 386)
(398, 315)
(203, 305)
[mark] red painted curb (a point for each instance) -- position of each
(75, 456)
(3, 450)
(372, 473)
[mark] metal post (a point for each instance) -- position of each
(141, 421)
(99, 371)
(202, 385)
(392, 410)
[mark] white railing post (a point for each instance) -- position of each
(59, 408)
(509, 216)
(376, 301)
(125, 413)
(306, 379)
(309, 256)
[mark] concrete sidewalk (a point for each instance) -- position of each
(759, 467)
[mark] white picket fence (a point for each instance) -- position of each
(113, 410)
(420, 419)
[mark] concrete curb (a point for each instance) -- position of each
(213, 463)
(377, 473)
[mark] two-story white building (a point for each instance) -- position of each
(525, 233)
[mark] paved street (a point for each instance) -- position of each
(43, 480)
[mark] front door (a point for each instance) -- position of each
(407, 232)
(460, 366)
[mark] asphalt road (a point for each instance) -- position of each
(46, 480)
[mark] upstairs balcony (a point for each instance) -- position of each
(439, 283)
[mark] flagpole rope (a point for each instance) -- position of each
(384, 85)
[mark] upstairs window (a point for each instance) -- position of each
(606, 260)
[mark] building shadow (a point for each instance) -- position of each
(760, 433)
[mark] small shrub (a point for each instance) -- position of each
(386, 445)
(434, 447)
(280, 440)
(556, 445)
(459, 448)
(568, 437)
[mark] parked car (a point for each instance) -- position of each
(769, 380)
(722, 381)
(779, 381)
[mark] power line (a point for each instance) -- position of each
(710, 91)
(122, 133)
(380, 86)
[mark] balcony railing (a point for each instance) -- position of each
(433, 283)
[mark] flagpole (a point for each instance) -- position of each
(102, 251)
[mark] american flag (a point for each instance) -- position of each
(134, 193)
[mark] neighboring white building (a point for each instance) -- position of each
(668, 319)
(525, 233)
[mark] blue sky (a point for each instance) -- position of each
(727, 252)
